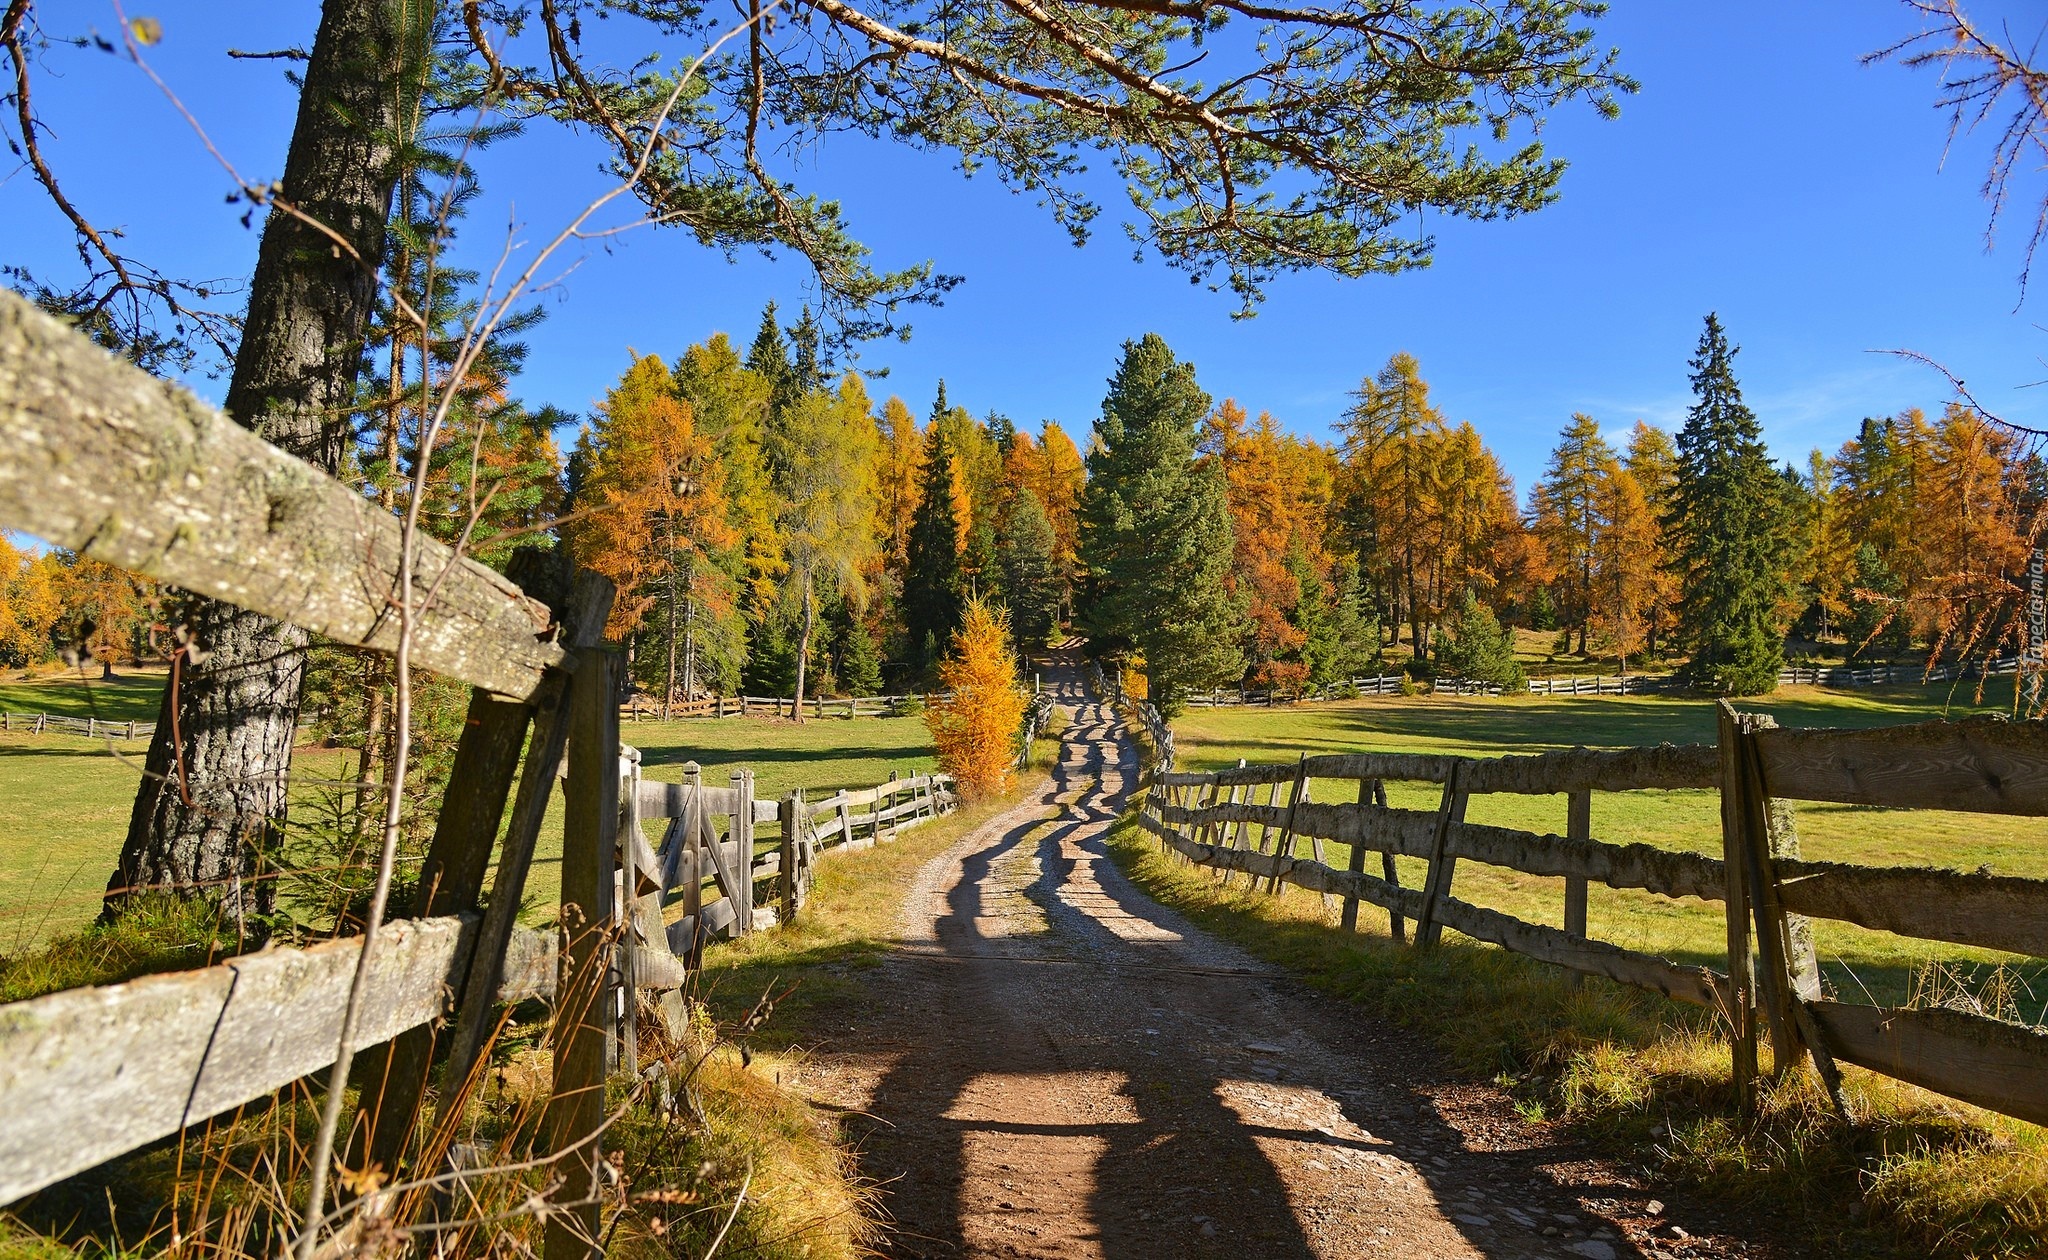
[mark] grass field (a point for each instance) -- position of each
(1860, 964)
(131, 696)
(64, 801)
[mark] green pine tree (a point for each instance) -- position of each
(768, 359)
(1340, 639)
(771, 657)
(1030, 570)
(1156, 533)
(1475, 647)
(855, 662)
(932, 603)
(1542, 610)
(807, 361)
(1731, 533)
(1873, 595)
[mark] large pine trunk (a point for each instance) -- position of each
(213, 793)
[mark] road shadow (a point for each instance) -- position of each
(1082, 1088)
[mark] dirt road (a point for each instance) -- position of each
(1055, 1065)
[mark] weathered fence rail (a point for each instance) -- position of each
(1770, 980)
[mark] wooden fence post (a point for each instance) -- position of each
(688, 831)
(1442, 863)
(1578, 826)
(585, 601)
(1347, 918)
(1397, 923)
(582, 990)
(451, 881)
(1785, 953)
(786, 814)
(626, 878)
(1284, 846)
(1739, 1006)
(743, 841)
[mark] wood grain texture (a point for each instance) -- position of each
(584, 1010)
(1984, 766)
(1696, 985)
(101, 458)
(1673, 874)
(1663, 766)
(88, 1074)
(1992, 911)
(1998, 1066)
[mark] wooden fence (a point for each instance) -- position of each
(641, 708)
(837, 822)
(1599, 684)
(60, 724)
(1769, 976)
(100, 458)
(1036, 714)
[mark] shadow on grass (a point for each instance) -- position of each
(135, 748)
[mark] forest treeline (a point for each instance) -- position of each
(776, 531)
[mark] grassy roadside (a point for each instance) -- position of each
(1646, 1079)
(847, 927)
(802, 1198)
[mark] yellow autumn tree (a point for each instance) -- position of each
(975, 728)
(31, 603)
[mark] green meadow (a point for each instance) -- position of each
(1860, 964)
(64, 800)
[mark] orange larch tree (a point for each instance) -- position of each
(974, 730)
(654, 495)
(1263, 524)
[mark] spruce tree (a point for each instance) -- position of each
(1339, 637)
(1030, 570)
(931, 579)
(771, 658)
(768, 359)
(855, 662)
(807, 364)
(1476, 648)
(1730, 529)
(1156, 533)
(1875, 624)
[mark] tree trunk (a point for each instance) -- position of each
(690, 631)
(668, 687)
(803, 651)
(373, 739)
(213, 789)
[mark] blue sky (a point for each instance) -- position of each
(1761, 172)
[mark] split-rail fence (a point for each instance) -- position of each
(100, 458)
(1769, 980)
